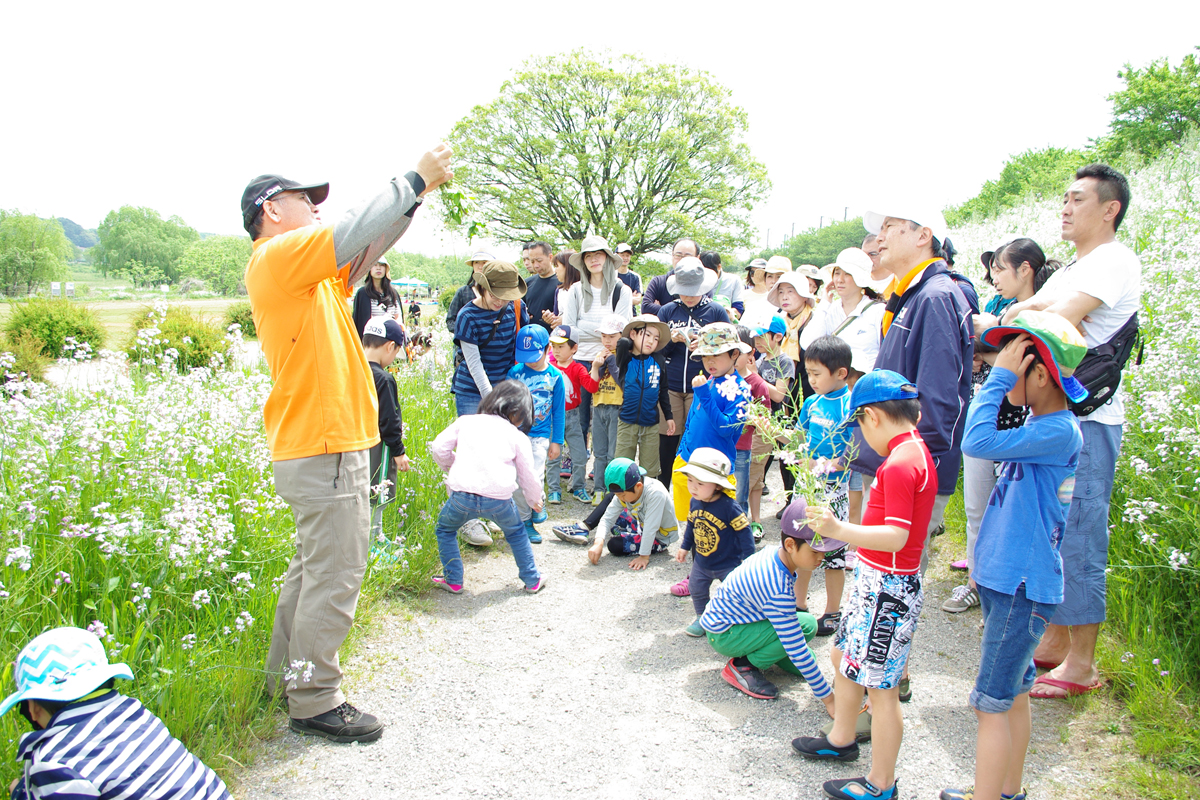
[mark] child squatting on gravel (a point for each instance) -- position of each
(649, 504)
(717, 528)
(498, 458)
(873, 639)
(1018, 568)
(753, 620)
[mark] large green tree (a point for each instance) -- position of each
(33, 252)
(140, 243)
(219, 261)
(635, 151)
(1156, 108)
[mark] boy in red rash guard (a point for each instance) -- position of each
(563, 346)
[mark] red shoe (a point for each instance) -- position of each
(749, 679)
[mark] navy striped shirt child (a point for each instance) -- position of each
(762, 588)
(110, 745)
(495, 334)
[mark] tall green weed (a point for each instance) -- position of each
(145, 510)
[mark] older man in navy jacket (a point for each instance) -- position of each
(927, 338)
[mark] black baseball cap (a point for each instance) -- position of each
(264, 187)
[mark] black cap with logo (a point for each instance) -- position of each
(264, 187)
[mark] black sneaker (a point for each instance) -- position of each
(818, 748)
(747, 678)
(343, 724)
(827, 625)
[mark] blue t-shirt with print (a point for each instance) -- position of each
(548, 388)
(823, 418)
(1023, 523)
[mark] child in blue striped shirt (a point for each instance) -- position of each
(88, 740)
(753, 620)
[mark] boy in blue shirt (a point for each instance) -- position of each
(718, 408)
(717, 528)
(1018, 569)
(546, 385)
(823, 419)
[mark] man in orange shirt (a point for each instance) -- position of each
(321, 419)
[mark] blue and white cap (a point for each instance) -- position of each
(531, 343)
(62, 665)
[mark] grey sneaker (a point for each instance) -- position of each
(475, 533)
(342, 724)
(962, 598)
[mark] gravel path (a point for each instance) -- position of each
(590, 689)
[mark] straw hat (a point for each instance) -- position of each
(650, 321)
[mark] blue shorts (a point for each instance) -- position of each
(855, 481)
(1012, 627)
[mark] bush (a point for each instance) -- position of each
(50, 323)
(240, 314)
(177, 334)
(447, 296)
(27, 354)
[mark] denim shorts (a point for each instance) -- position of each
(856, 479)
(1012, 627)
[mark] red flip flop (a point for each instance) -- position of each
(1040, 664)
(1072, 689)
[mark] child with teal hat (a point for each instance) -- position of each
(89, 740)
(645, 509)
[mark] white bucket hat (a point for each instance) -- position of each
(691, 278)
(709, 465)
(62, 665)
(796, 281)
(857, 264)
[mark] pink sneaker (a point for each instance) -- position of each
(959, 565)
(452, 588)
(683, 588)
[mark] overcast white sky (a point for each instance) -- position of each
(176, 106)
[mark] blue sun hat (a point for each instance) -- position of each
(62, 665)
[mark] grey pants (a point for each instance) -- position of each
(573, 434)
(604, 440)
(700, 581)
(328, 496)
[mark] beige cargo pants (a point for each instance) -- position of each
(328, 496)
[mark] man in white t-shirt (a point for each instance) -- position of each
(1098, 293)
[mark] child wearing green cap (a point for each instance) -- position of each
(649, 505)
(1018, 569)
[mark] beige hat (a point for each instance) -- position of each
(592, 244)
(650, 321)
(778, 265)
(501, 279)
(796, 281)
(810, 271)
(709, 465)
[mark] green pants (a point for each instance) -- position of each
(759, 643)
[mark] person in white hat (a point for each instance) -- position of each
(628, 276)
(927, 338)
(857, 313)
(88, 739)
(760, 277)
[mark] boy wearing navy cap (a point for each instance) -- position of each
(547, 386)
(1018, 569)
(383, 339)
(873, 639)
